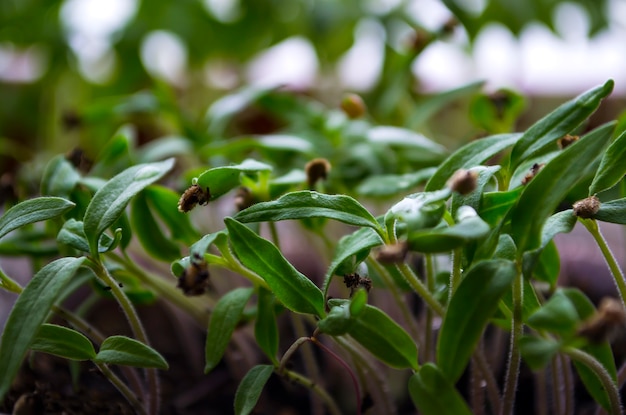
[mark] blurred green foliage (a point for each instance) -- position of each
(62, 110)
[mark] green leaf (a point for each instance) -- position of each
(358, 302)
(117, 152)
(73, 234)
(59, 177)
(164, 147)
(548, 188)
(401, 137)
(149, 233)
(110, 201)
(495, 205)
(548, 266)
(250, 388)
(164, 203)
(222, 110)
(358, 242)
(527, 167)
(202, 246)
(498, 111)
(562, 222)
(221, 180)
(538, 352)
(338, 320)
(470, 155)
(224, 319)
(30, 312)
(291, 287)
(469, 227)
(559, 122)
(33, 210)
(64, 342)
(310, 204)
(416, 212)
(384, 338)
(433, 394)
(430, 105)
(385, 185)
(471, 306)
(602, 351)
(613, 212)
(122, 350)
(558, 315)
(265, 328)
(472, 199)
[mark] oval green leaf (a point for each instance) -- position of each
(110, 201)
(64, 342)
(358, 242)
(224, 319)
(290, 287)
(122, 350)
(495, 205)
(265, 327)
(433, 394)
(59, 177)
(548, 188)
(559, 122)
(538, 352)
(558, 315)
(221, 180)
(149, 233)
(31, 211)
(392, 184)
(73, 234)
(470, 227)
(602, 351)
(310, 204)
(613, 212)
(470, 155)
(164, 203)
(250, 388)
(562, 222)
(401, 137)
(384, 338)
(29, 313)
(612, 167)
(472, 305)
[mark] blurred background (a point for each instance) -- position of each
(96, 63)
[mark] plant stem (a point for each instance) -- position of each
(618, 275)
(541, 400)
(332, 406)
(97, 337)
(493, 394)
(512, 372)
(345, 366)
(428, 326)
(310, 365)
(455, 275)
(397, 296)
(419, 288)
(603, 376)
(274, 233)
(234, 265)
(122, 388)
(165, 289)
(136, 327)
(556, 382)
(568, 384)
(292, 349)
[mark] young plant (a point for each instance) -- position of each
(483, 230)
